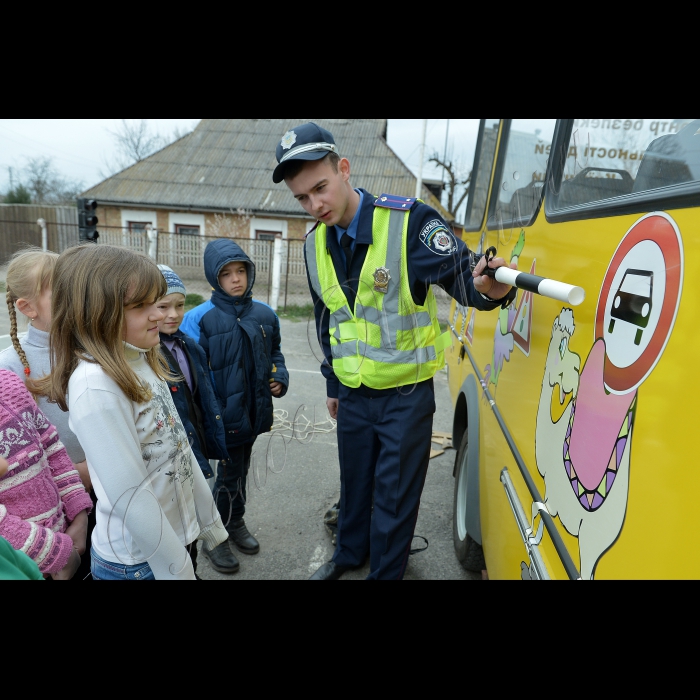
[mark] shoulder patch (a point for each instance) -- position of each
(392, 201)
(438, 238)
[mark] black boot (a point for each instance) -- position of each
(222, 559)
(242, 539)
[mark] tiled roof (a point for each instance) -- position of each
(226, 164)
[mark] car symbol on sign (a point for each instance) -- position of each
(633, 301)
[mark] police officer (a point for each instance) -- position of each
(371, 263)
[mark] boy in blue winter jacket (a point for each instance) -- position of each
(241, 339)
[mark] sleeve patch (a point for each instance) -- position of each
(438, 238)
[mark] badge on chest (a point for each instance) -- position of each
(381, 280)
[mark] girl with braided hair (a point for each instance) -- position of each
(28, 284)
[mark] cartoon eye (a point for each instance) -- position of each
(562, 347)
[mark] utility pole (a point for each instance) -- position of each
(12, 184)
(419, 183)
(444, 157)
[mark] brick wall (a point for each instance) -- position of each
(112, 217)
(297, 228)
(162, 223)
(109, 216)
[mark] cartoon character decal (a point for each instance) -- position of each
(586, 416)
(504, 342)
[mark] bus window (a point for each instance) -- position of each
(521, 171)
(481, 174)
(606, 159)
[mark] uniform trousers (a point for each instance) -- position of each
(384, 451)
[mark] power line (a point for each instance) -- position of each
(86, 161)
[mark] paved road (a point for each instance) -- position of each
(288, 497)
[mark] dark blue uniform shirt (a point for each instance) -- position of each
(443, 261)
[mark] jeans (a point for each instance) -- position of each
(109, 571)
(230, 487)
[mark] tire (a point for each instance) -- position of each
(469, 553)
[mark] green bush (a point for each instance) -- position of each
(20, 195)
(192, 300)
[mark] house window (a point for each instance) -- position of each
(267, 235)
(138, 226)
(187, 229)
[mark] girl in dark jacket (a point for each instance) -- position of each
(241, 339)
(194, 395)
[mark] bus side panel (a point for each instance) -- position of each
(609, 446)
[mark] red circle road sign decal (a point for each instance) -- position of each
(644, 327)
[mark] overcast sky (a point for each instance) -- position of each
(82, 148)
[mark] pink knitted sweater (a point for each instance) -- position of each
(41, 493)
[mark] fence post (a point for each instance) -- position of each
(286, 278)
(152, 235)
(44, 235)
(276, 272)
(269, 273)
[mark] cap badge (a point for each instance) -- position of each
(381, 280)
(288, 140)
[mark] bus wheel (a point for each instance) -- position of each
(469, 553)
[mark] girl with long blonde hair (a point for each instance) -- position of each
(107, 370)
(28, 291)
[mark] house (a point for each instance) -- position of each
(217, 181)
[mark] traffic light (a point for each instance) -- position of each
(87, 220)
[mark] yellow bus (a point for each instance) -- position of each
(573, 426)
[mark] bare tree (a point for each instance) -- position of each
(135, 141)
(47, 185)
(235, 226)
(455, 181)
(178, 133)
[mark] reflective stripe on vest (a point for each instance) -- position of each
(389, 341)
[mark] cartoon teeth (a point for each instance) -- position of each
(592, 500)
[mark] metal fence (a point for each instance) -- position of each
(19, 227)
(184, 253)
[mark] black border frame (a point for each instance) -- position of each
(681, 196)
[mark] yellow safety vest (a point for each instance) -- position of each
(387, 341)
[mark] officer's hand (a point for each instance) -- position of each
(487, 285)
(276, 389)
(332, 405)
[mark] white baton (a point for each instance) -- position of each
(541, 285)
